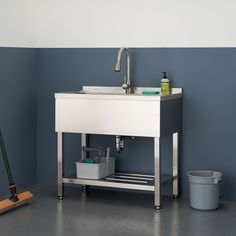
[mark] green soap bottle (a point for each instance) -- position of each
(165, 84)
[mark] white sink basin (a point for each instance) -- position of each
(102, 90)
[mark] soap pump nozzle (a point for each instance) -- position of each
(164, 75)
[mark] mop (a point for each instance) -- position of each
(15, 200)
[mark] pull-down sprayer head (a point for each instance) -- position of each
(118, 63)
(117, 67)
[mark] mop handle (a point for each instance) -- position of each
(5, 158)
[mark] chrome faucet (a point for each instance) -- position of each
(127, 80)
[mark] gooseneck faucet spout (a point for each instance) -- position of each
(127, 80)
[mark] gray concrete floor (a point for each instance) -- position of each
(113, 213)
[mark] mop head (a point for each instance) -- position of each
(7, 204)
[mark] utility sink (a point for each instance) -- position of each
(109, 110)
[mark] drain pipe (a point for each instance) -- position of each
(119, 143)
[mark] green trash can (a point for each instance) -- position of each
(204, 189)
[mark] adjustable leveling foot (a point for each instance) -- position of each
(60, 198)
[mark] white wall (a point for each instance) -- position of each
(17, 23)
(113, 23)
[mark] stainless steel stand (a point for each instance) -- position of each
(157, 173)
(126, 180)
(60, 168)
(175, 164)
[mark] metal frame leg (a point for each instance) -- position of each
(157, 172)
(175, 164)
(84, 143)
(60, 170)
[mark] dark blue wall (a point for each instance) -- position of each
(208, 77)
(18, 114)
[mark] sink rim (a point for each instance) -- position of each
(112, 90)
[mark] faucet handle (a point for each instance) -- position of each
(126, 85)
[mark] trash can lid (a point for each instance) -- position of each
(204, 176)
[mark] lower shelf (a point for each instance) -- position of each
(122, 180)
